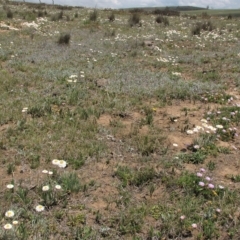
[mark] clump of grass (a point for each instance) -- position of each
(134, 20)
(111, 17)
(93, 16)
(68, 18)
(195, 157)
(64, 38)
(196, 30)
(34, 161)
(76, 15)
(40, 14)
(29, 16)
(110, 33)
(161, 19)
(205, 15)
(70, 182)
(9, 13)
(10, 168)
(205, 26)
(130, 221)
(135, 177)
(57, 17)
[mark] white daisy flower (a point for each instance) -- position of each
(8, 226)
(39, 208)
(25, 109)
(55, 161)
(10, 186)
(45, 188)
(190, 132)
(9, 213)
(58, 187)
(62, 164)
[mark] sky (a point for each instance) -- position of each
(215, 4)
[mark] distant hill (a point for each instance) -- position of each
(171, 8)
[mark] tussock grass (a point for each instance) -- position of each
(134, 20)
(64, 38)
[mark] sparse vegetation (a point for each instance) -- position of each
(122, 132)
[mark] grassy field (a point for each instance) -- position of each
(115, 125)
(215, 12)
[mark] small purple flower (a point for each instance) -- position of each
(211, 186)
(202, 170)
(199, 174)
(208, 178)
(202, 184)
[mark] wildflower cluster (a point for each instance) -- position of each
(74, 78)
(206, 186)
(225, 120)
(221, 98)
(25, 109)
(10, 214)
(59, 163)
(204, 128)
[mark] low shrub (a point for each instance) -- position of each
(57, 17)
(205, 15)
(41, 14)
(161, 19)
(111, 17)
(134, 20)
(205, 26)
(9, 13)
(64, 38)
(93, 16)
